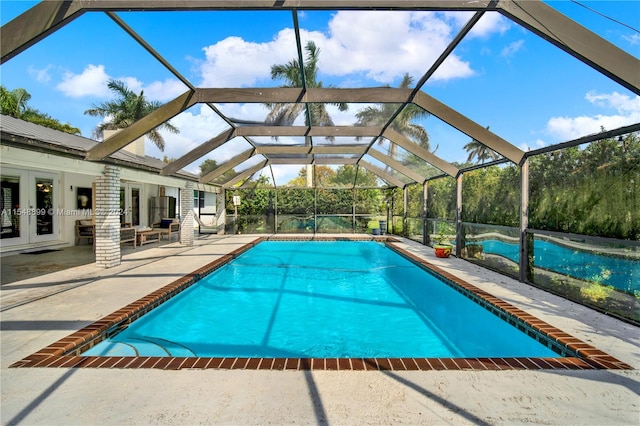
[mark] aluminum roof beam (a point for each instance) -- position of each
(382, 174)
(422, 153)
(150, 49)
(331, 161)
(141, 127)
(324, 149)
(469, 127)
(328, 131)
(227, 165)
(35, 24)
(291, 161)
(244, 174)
(576, 40)
(197, 153)
(396, 165)
(285, 95)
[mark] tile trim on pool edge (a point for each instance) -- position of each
(66, 351)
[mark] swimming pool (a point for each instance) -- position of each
(621, 273)
(310, 299)
(68, 351)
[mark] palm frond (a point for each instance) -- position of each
(126, 109)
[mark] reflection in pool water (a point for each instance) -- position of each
(621, 273)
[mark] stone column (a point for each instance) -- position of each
(186, 215)
(107, 217)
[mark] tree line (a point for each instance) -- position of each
(592, 189)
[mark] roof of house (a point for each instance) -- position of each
(39, 138)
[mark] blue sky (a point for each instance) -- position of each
(501, 76)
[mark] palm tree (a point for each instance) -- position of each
(126, 109)
(480, 151)
(285, 114)
(380, 114)
(14, 102)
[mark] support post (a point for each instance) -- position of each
(459, 236)
(425, 225)
(353, 210)
(525, 254)
(405, 192)
(186, 215)
(107, 218)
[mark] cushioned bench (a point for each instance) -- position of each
(168, 227)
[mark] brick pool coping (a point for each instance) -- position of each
(66, 351)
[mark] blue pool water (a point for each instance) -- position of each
(621, 273)
(321, 300)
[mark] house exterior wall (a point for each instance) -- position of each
(70, 175)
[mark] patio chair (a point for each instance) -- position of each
(84, 230)
(168, 227)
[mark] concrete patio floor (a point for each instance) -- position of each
(38, 311)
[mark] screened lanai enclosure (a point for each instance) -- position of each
(476, 123)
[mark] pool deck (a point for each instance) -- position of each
(39, 311)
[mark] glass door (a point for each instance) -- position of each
(134, 209)
(130, 204)
(29, 202)
(42, 207)
(13, 225)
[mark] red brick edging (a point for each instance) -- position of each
(66, 352)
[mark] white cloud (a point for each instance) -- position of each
(91, 82)
(389, 44)
(234, 62)
(633, 39)
(627, 111)
(490, 23)
(164, 91)
(41, 75)
(385, 46)
(621, 103)
(511, 49)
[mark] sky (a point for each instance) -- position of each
(501, 76)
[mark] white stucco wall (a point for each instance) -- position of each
(73, 173)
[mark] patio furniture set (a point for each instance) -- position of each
(138, 235)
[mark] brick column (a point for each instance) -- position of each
(107, 217)
(186, 215)
(221, 212)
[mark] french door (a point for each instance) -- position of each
(30, 201)
(130, 204)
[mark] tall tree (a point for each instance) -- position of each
(14, 103)
(380, 114)
(127, 108)
(284, 114)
